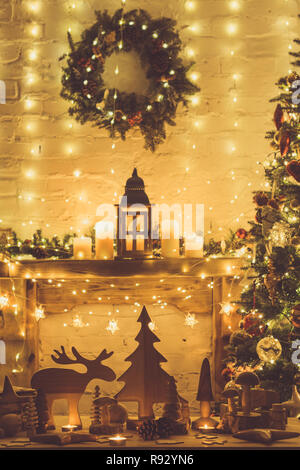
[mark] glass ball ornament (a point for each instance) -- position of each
(269, 349)
(280, 234)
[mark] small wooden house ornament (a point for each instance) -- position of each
(205, 396)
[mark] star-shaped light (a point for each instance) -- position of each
(190, 320)
(4, 301)
(226, 308)
(39, 313)
(78, 323)
(112, 326)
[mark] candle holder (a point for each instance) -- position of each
(70, 428)
(117, 441)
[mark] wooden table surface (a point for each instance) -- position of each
(135, 442)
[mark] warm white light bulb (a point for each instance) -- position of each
(33, 55)
(231, 28)
(190, 6)
(30, 173)
(234, 5)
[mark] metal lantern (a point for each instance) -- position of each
(134, 221)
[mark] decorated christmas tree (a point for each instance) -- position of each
(270, 300)
(145, 381)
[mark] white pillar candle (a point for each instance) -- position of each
(104, 240)
(170, 239)
(82, 248)
(194, 246)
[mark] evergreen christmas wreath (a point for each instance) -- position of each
(158, 45)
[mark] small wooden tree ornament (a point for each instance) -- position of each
(30, 417)
(205, 396)
(95, 412)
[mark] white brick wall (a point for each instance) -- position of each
(260, 44)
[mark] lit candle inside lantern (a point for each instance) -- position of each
(117, 441)
(170, 239)
(194, 246)
(82, 248)
(104, 240)
(140, 243)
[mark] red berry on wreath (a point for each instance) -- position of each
(241, 233)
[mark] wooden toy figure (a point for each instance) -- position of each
(56, 383)
(205, 396)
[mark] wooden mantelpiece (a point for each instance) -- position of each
(55, 269)
(206, 284)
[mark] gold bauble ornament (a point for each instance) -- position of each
(268, 349)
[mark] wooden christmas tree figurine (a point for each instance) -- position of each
(145, 381)
(205, 396)
(30, 417)
(95, 411)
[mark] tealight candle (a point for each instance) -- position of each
(69, 428)
(117, 441)
(206, 428)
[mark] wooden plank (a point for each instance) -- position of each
(31, 350)
(191, 295)
(217, 341)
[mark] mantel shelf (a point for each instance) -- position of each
(57, 269)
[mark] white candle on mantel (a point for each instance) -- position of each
(104, 240)
(194, 246)
(170, 240)
(82, 248)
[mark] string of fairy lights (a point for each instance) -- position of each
(35, 24)
(73, 9)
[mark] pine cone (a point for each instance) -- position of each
(164, 427)
(148, 430)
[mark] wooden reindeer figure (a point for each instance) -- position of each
(56, 383)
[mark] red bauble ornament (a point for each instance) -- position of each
(252, 324)
(284, 144)
(293, 169)
(278, 117)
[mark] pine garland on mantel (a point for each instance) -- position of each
(41, 247)
(158, 45)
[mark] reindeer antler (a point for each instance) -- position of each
(63, 358)
(104, 355)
